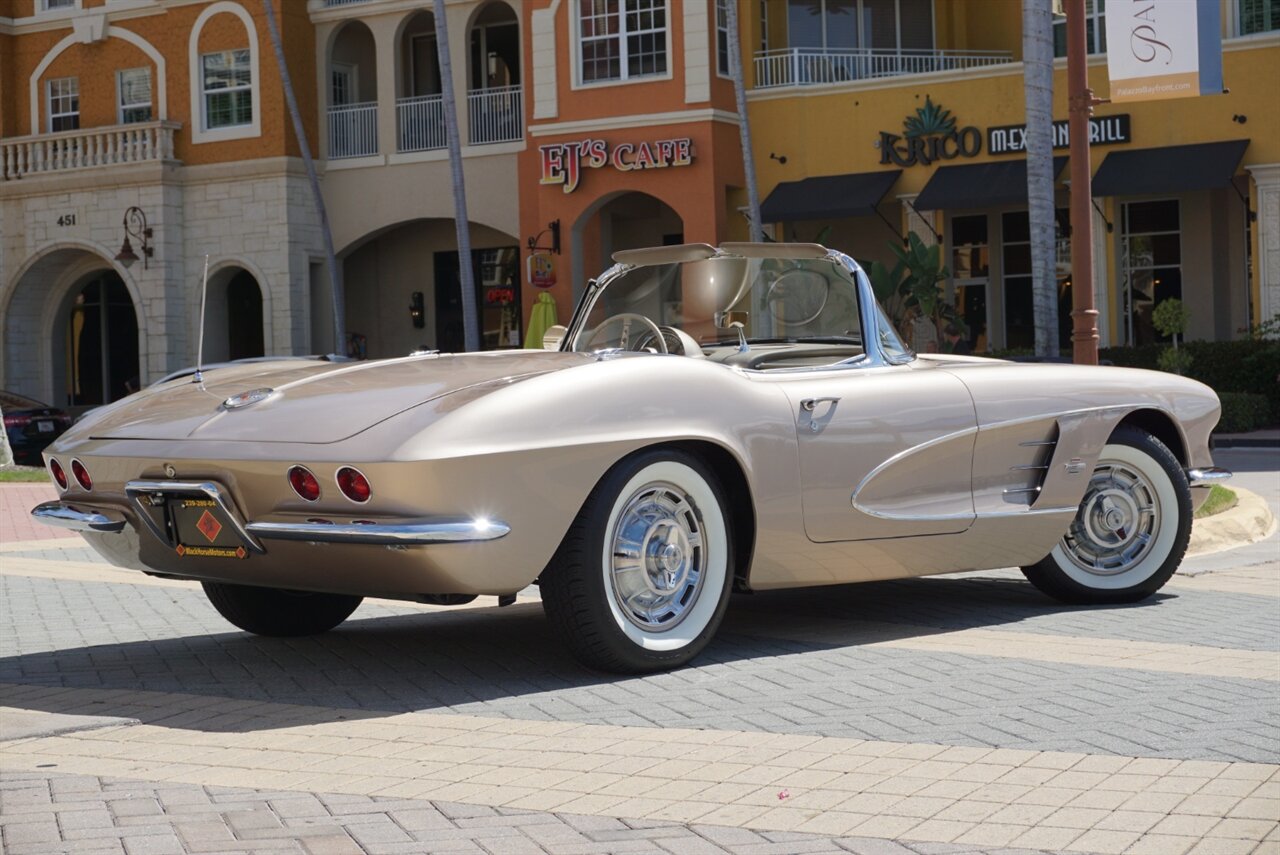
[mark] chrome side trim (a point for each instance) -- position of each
(135, 490)
(1207, 476)
(436, 530)
(63, 515)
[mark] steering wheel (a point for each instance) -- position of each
(654, 332)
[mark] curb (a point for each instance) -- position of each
(1248, 522)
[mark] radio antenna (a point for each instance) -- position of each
(198, 377)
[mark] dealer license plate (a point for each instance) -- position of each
(203, 530)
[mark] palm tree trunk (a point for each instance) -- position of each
(331, 260)
(744, 123)
(466, 274)
(1037, 60)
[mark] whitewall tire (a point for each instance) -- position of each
(1131, 530)
(642, 579)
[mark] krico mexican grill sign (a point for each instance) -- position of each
(931, 134)
(562, 163)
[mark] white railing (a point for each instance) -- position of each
(353, 130)
(496, 115)
(343, 2)
(420, 122)
(819, 66)
(86, 148)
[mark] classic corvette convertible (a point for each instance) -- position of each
(711, 419)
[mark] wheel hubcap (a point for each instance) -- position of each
(658, 557)
(1117, 522)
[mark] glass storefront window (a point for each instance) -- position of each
(970, 253)
(1151, 261)
(1015, 256)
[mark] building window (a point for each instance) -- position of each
(133, 88)
(64, 104)
(1151, 264)
(836, 25)
(52, 5)
(722, 37)
(1259, 16)
(227, 86)
(1095, 33)
(622, 39)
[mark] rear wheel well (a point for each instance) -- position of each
(1159, 425)
(737, 495)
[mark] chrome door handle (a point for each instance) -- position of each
(810, 404)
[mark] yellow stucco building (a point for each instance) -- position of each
(1186, 192)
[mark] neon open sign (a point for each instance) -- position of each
(562, 163)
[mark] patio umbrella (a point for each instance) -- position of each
(542, 318)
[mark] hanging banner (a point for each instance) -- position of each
(1158, 49)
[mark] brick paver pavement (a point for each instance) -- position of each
(935, 715)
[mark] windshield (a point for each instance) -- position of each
(713, 304)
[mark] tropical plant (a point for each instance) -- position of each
(330, 258)
(1037, 63)
(461, 222)
(910, 292)
(1170, 318)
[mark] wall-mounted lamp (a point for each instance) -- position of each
(417, 310)
(1239, 118)
(135, 226)
(781, 158)
(554, 228)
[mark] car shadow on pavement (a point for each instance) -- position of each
(502, 662)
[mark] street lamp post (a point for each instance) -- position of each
(1084, 317)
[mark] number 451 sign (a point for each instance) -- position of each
(66, 219)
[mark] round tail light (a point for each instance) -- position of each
(82, 474)
(304, 483)
(59, 476)
(354, 485)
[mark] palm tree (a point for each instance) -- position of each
(466, 274)
(1037, 61)
(331, 260)
(730, 8)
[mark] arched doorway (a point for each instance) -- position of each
(233, 316)
(627, 220)
(99, 333)
(402, 291)
(71, 332)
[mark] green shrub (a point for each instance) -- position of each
(1248, 365)
(1243, 411)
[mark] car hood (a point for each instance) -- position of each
(310, 402)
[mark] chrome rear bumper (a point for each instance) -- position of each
(409, 533)
(1207, 476)
(414, 533)
(63, 515)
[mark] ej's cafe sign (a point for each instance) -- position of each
(562, 163)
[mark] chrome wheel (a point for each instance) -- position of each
(658, 557)
(1117, 522)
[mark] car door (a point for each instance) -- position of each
(885, 451)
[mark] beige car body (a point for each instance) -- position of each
(842, 473)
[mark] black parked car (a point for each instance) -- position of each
(31, 426)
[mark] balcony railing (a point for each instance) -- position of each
(495, 115)
(825, 66)
(353, 130)
(328, 3)
(86, 148)
(420, 121)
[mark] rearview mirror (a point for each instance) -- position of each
(553, 336)
(730, 320)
